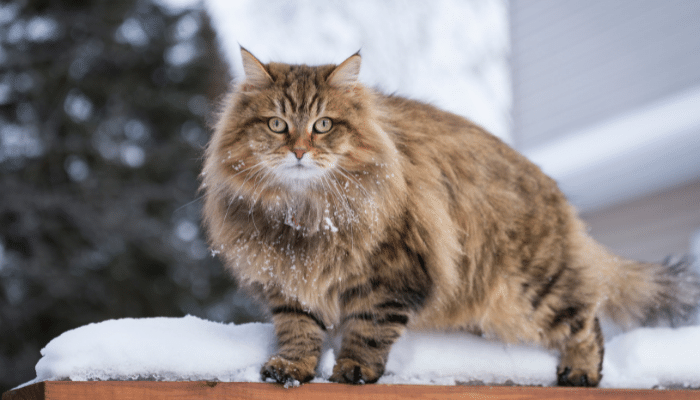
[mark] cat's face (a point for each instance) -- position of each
(298, 139)
(295, 126)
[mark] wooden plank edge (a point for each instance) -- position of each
(128, 390)
(34, 391)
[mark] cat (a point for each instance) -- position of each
(347, 210)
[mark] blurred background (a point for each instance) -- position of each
(606, 99)
(106, 106)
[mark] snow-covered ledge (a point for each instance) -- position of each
(646, 150)
(192, 349)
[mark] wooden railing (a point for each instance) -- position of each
(113, 390)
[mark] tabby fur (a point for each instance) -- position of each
(406, 216)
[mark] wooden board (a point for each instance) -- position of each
(127, 390)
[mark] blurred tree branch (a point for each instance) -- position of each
(104, 109)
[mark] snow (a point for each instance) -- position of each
(189, 348)
(329, 225)
(451, 53)
(158, 348)
(654, 356)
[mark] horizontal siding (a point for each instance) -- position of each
(650, 228)
(577, 63)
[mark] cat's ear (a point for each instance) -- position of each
(256, 77)
(345, 74)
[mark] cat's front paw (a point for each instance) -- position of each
(566, 376)
(351, 371)
(286, 372)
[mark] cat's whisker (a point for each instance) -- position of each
(254, 195)
(344, 201)
(247, 169)
(350, 180)
(252, 172)
(188, 203)
(366, 193)
(261, 182)
(257, 179)
(230, 202)
(342, 197)
(330, 188)
(348, 175)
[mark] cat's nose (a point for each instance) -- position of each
(299, 153)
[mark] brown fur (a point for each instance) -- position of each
(409, 217)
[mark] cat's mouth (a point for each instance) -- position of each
(297, 172)
(300, 172)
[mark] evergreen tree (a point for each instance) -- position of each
(103, 119)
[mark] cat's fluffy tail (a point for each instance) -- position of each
(650, 294)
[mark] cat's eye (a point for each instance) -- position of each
(323, 125)
(277, 125)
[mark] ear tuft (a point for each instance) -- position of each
(256, 75)
(345, 74)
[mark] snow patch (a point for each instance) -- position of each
(165, 349)
(189, 348)
(650, 357)
(329, 225)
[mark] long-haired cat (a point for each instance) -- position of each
(346, 209)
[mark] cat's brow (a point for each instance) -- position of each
(306, 100)
(312, 103)
(281, 106)
(292, 103)
(250, 122)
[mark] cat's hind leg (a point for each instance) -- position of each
(581, 359)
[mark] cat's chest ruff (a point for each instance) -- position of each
(326, 226)
(303, 270)
(289, 248)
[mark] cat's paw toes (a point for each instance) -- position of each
(286, 372)
(566, 376)
(351, 371)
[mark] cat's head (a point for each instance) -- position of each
(299, 128)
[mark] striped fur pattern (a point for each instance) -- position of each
(345, 210)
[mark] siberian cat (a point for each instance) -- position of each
(346, 209)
